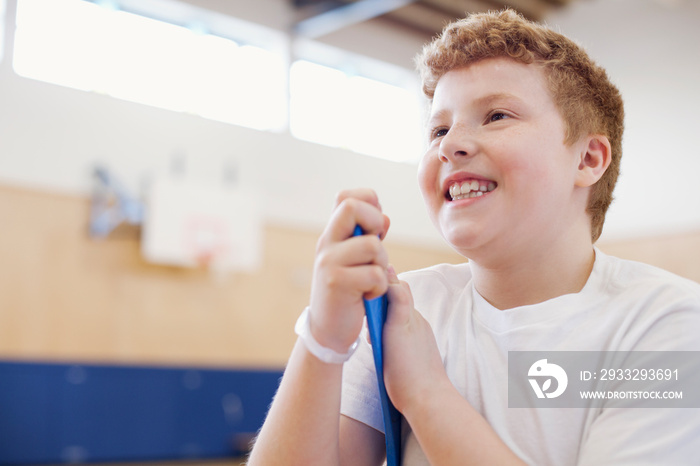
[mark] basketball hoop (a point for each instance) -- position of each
(206, 239)
(196, 225)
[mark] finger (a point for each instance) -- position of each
(351, 212)
(387, 224)
(363, 281)
(391, 276)
(369, 279)
(363, 194)
(400, 299)
(365, 331)
(363, 250)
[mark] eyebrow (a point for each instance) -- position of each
(482, 101)
(490, 98)
(437, 116)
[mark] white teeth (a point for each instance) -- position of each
(470, 189)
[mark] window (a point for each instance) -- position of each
(2, 29)
(368, 116)
(83, 45)
(349, 102)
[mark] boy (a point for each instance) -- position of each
(523, 154)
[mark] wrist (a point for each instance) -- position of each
(323, 353)
(424, 399)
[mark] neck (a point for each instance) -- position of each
(535, 275)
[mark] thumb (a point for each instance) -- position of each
(400, 299)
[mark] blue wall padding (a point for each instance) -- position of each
(73, 413)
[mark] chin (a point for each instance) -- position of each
(462, 240)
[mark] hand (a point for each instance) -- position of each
(412, 363)
(348, 269)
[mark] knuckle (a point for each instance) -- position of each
(320, 245)
(340, 196)
(378, 276)
(344, 210)
(374, 198)
(372, 246)
(348, 205)
(321, 257)
(343, 198)
(333, 278)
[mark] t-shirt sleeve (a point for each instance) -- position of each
(360, 393)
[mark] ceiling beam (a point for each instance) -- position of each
(414, 27)
(559, 2)
(346, 15)
(448, 13)
(476, 6)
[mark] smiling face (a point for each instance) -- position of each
(497, 174)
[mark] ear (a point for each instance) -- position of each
(594, 159)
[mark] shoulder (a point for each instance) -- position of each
(655, 309)
(629, 277)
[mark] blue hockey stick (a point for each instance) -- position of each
(375, 310)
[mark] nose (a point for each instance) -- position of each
(457, 144)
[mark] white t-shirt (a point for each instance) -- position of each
(624, 306)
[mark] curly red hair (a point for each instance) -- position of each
(589, 103)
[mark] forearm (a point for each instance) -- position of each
(302, 425)
(451, 432)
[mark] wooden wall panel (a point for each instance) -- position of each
(679, 253)
(65, 296)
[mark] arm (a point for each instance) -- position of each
(304, 425)
(448, 429)
(451, 432)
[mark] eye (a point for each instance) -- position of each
(438, 133)
(496, 116)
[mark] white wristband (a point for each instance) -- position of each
(303, 329)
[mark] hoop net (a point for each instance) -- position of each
(207, 240)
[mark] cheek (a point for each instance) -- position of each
(540, 178)
(532, 161)
(427, 176)
(428, 182)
